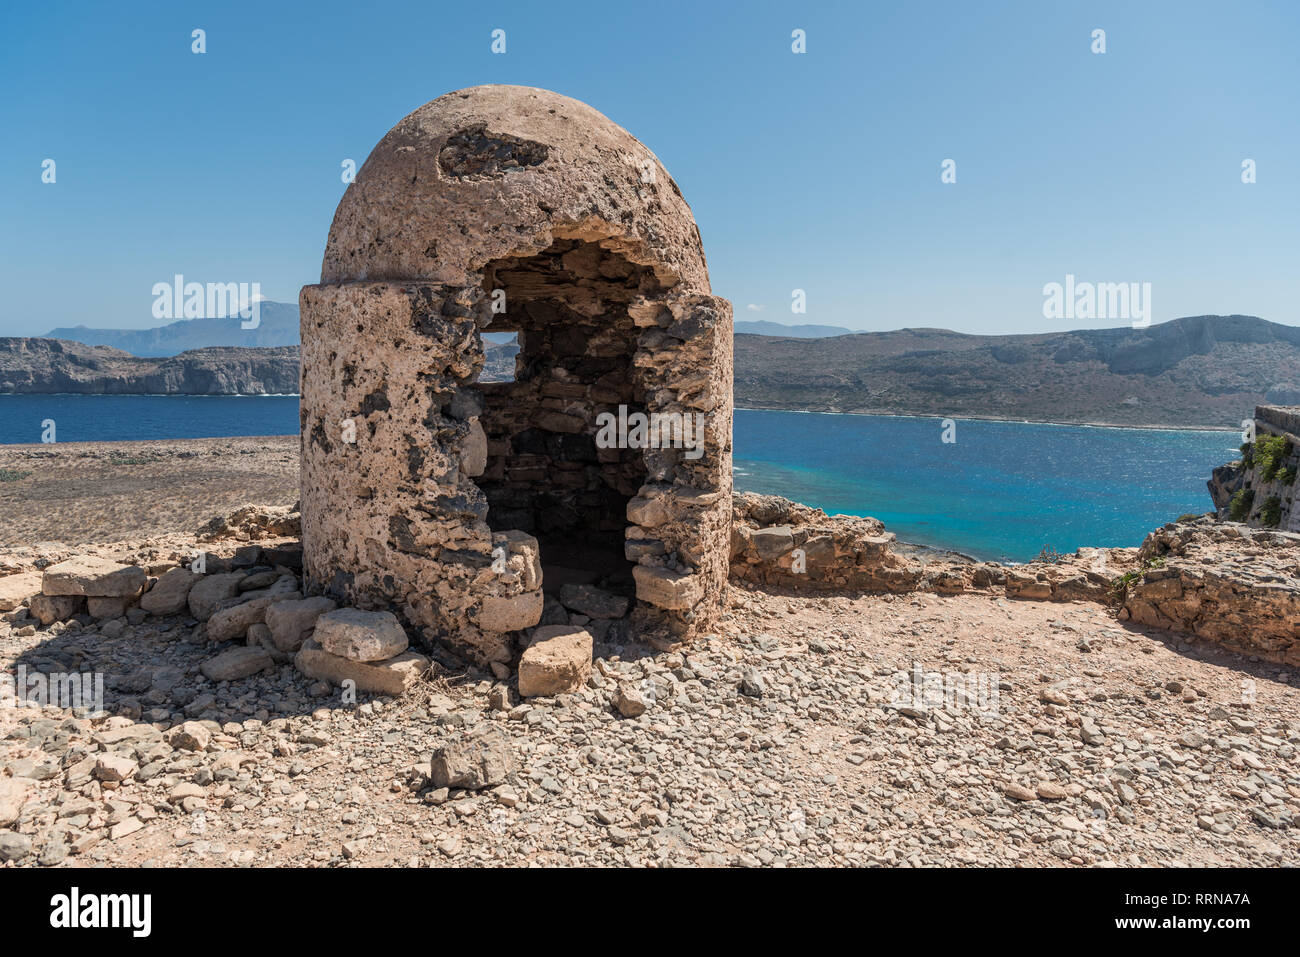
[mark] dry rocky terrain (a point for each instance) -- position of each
(111, 491)
(782, 741)
(966, 720)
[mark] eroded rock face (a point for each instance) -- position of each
(779, 543)
(445, 499)
(1260, 488)
(1225, 582)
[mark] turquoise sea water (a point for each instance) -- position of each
(1002, 491)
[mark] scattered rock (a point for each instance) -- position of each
(629, 701)
(235, 663)
(476, 759)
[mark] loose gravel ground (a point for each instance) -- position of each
(782, 741)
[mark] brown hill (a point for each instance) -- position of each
(1200, 371)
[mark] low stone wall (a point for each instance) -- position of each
(779, 543)
(1278, 418)
(1225, 582)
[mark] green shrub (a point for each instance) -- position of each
(1239, 508)
(1271, 513)
(1187, 517)
(1270, 452)
(1126, 581)
(1286, 476)
(12, 475)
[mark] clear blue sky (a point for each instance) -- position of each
(817, 171)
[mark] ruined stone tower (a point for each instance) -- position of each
(606, 461)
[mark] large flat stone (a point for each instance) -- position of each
(291, 622)
(15, 589)
(772, 543)
(361, 635)
(393, 677)
(208, 593)
(89, 575)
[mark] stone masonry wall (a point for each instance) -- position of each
(393, 519)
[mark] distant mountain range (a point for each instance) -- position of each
(1206, 371)
(762, 327)
(1201, 371)
(278, 326)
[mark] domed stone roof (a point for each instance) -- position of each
(504, 171)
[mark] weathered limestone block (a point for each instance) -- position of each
(513, 613)
(209, 591)
(394, 676)
(557, 661)
(89, 575)
(665, 588)
(170, 593)
(290, 623)
(48, 609)
(1026, 585)
(361, 635)
(1222, 581)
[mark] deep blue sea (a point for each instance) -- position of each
(1002, 490)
